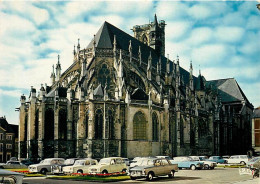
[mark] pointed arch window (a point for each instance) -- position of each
(63, 124)
(99, 124)
(104, 76)
(49, 125)
(111, 126)
(155, 127)
(144, 39)
(86, 124)
(139, 124)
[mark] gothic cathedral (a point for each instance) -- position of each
(122, 97)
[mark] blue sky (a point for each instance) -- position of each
(221, 38)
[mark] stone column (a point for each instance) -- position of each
(22, 130)
(91, 129)
(31, 125)
(81, 133)
(56, 130)
(41, 128)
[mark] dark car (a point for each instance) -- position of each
(217, 159)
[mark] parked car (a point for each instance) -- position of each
(238, 159)
(187, 162)
(137, 160)
(153, 167)
(27, 162)
(80, 166)
(45, 165)
(109, 165)
(217, 159)
(206, 164)
(13, 165)
(58, 169)
(166, 157)
(225, 156)
(127, 162)
(254, 162)
(11, 177)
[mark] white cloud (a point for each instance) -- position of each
(200, 36)
(207, 54)
(199, 12)
(229, 34)
(177, 29)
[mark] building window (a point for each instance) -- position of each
(1, 147)
(1, 136)
(104, 76)
(99, 124)
(8, 137)
(155, 127)
(86, 123)
(63, 124)
(257, 132)
(139, 126)
(111, 134)
(8, 146)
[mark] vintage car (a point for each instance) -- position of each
(13, 165)
(58, 169)
(217, 159)
(80, 166)
(206, 164)
(11, 177)
(187, 162)
(45, 165)
(109, 165)
(238, 159)
(153, 167)
(254, 163)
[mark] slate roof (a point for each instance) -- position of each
(4, 124)
(228, 89)
(105, 37)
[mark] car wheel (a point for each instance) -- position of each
(193, 167)
(80, 171)
(149, 176)
(44, 171)
(104, 172)
(225, 162)
(132, 178)
(206, 166)
(242, 163)
(171, 175)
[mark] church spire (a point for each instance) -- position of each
(78, 47)
(74, 51)
(149, 67)
(52, 76)
(140, 55)
(58, 69)
(130, 50)
(155, 20)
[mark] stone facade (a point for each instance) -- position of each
(122, 97)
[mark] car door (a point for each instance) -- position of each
(167, 167)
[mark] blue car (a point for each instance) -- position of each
(217, 159)
(187, 162)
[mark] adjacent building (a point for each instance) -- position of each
(122, 97)
(256, 130)
(7, 140)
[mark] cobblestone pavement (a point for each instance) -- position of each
(216, 176)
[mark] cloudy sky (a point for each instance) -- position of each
(221, 38)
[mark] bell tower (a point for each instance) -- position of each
(152, 34)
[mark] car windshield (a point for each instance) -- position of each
(79, 162)
(182, 159)
(69, 161)
(104, 161)
(47, 161)
(254, 159)
(146, 162)
(195, 158)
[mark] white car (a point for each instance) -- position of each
(45, 166)
(80, 166)
(109, 165)
(206, 164)
(11, 177)
(238, 159)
